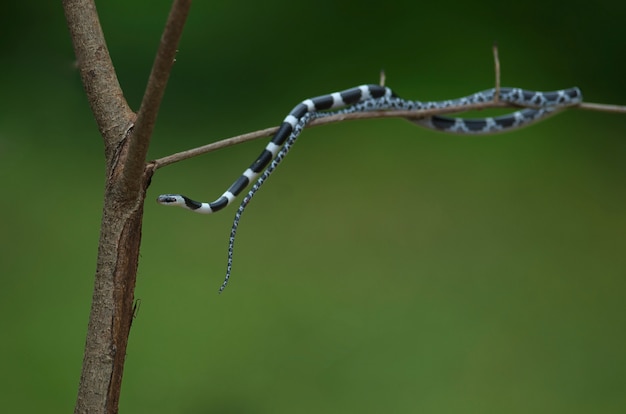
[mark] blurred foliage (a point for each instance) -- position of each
(384, 268)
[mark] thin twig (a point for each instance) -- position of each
(416, 114)
(616, 109)
(214, 146)
(411, 115)
(496, 62)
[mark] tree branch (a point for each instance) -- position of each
(112, 113)
(496, 64)
(615, 109)
(161, 69)
(416, 114)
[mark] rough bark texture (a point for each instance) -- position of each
(127, 179)
(112, 305)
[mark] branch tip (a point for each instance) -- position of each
(496, 63)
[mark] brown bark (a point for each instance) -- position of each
(127, 179)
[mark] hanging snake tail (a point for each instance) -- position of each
(256, 186)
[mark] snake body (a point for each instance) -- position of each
(364, 98)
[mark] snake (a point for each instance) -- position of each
(536, 105)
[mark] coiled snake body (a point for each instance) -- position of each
(366, 98)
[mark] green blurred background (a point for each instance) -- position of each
(383, 268)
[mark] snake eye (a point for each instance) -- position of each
(164, 199)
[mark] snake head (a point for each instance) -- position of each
(171, 199)
(184, 202)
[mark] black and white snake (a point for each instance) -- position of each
(370, 98)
